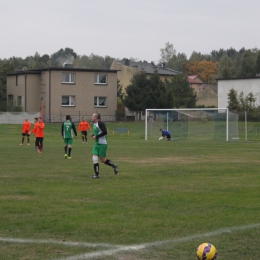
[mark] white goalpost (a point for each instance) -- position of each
(194, 124)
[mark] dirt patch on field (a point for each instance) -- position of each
(182, 160)
(12, 197)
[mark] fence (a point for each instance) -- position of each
(17, 117)
(76, 118)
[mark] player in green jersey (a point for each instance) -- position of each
(67, 129)
(100, 147)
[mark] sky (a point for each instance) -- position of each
(127, 28)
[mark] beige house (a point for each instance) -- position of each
(127, 68)
(57, 92)
(208, 97)
(196, 83)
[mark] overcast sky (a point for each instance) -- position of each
(127, 28)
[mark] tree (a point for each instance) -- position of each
(247, 64)
(167, 53)
(178, 62)
(240, 103)
(225, 67)
(62, 56)
(120, 93)
(206, 70)
(257, 65)
(6, 66)
(147, 92)
(233, 103)
(183, 94)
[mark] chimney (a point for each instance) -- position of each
(127, 63)
(67, 65)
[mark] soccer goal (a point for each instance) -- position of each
(198, 124)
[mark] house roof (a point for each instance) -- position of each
(149, 68)
(38, 71)
(257, 77)
(194, 79)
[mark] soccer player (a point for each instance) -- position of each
(168, 135)
(67, 129)
(100, 147)
(35, 146)
(83, 127)
(39, 133)
(26, 131)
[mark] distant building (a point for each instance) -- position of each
(64, 90)
(208, 97)
(246, 85)
(127, 68)
(196, 83)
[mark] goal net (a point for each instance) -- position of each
(201, 124)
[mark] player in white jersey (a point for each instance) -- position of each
(100, 147)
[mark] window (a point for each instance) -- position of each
(19, 100)
(10, 99)
(198, 89)
(100, 79)
(68, 101)
(16, 80)
(100, 101)
(68, 78)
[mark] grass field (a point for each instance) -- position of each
(168, 198)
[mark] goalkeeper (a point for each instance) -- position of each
(168, 135)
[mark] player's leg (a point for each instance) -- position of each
(28, 139)
(95, 153)
(66, 148)
(103, 159)
(70, 143)
(41, 143)
(22, 139)
(82, 137)
(86, 136)
(38, 144)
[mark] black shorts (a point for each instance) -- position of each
(84, 133)
(25, 134)
(39, 139)
(168, 136)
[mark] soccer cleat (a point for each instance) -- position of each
(34, 149)
(69, 157)
(28, 144)
(95, 176)
(115, 168)
(65, 156)
(20, 144)
(83, 142)
(39, 151)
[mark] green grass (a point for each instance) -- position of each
(164, 191)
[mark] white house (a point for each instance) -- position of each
(246, 85)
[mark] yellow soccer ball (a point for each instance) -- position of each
(206, 251)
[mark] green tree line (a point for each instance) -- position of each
(229, 63)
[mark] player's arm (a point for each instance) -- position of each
(62, 128)
(103, 129)
(89, 127)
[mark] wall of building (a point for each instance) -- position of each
(245, 85)
(84, 91)
(208, 97)
(124, 74)
(26, 86)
